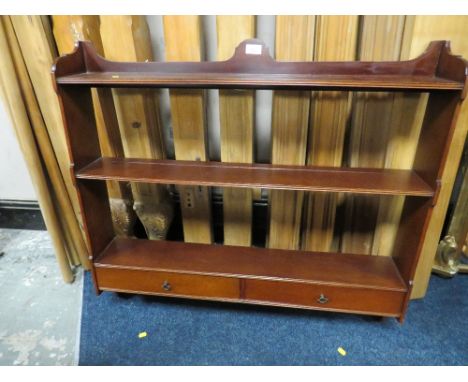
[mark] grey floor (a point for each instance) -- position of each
(39, 313)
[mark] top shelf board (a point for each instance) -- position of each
(265, 81)
(251, 67)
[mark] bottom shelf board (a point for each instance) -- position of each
(333, 269)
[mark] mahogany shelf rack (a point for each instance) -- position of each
(311, 280)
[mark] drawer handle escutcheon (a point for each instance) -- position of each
(322, 299)
(166, 286)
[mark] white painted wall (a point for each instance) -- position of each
(15, 183)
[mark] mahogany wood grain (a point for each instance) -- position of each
(256, 263)
(383, 303)
(356, 180)
(82, 140)
(434, 143)
(167, 283)
(258, 292)
(261, 71)
(409, 239)
(81, 134)
(266, 81)
(435, 138)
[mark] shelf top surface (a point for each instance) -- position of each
(251, 66)
(230, 261)
(274, 81)
(325, 179)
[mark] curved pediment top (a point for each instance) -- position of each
(252, 66)
(252, 49)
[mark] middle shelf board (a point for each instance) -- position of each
(195, 173)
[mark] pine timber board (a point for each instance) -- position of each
(366, 181)
(335, 40)
(380, 39)
(236, 109)
(34, 42)
(183, 43)
(406, 119)
(290, 122)
(126, 38)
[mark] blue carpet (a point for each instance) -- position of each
(182, 332)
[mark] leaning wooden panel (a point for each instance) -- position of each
(183, 43)
(439, 126)
(34, 44)
(71, 228)
(68, 30)
(336, 39)
(236, 120)
(40, 27)
(290, 122)
(126, 38)
(380, 40)
(12, 99)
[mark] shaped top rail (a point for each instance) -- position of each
(251, 66)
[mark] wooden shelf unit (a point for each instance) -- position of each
(312, 280)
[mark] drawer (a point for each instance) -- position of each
(325, 297)
(167, 283)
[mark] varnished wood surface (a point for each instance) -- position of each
(259, 70)
(264, 81)
(355, 180)
(252, 291)
(256, 263)
(385, 303)
(168, 283)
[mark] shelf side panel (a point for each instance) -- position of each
(435, 139)
(83, 145)
(436, 136)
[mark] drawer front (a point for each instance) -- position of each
(325, 297)
(167, 283)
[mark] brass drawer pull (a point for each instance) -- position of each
(166, 286)
(322, 299)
